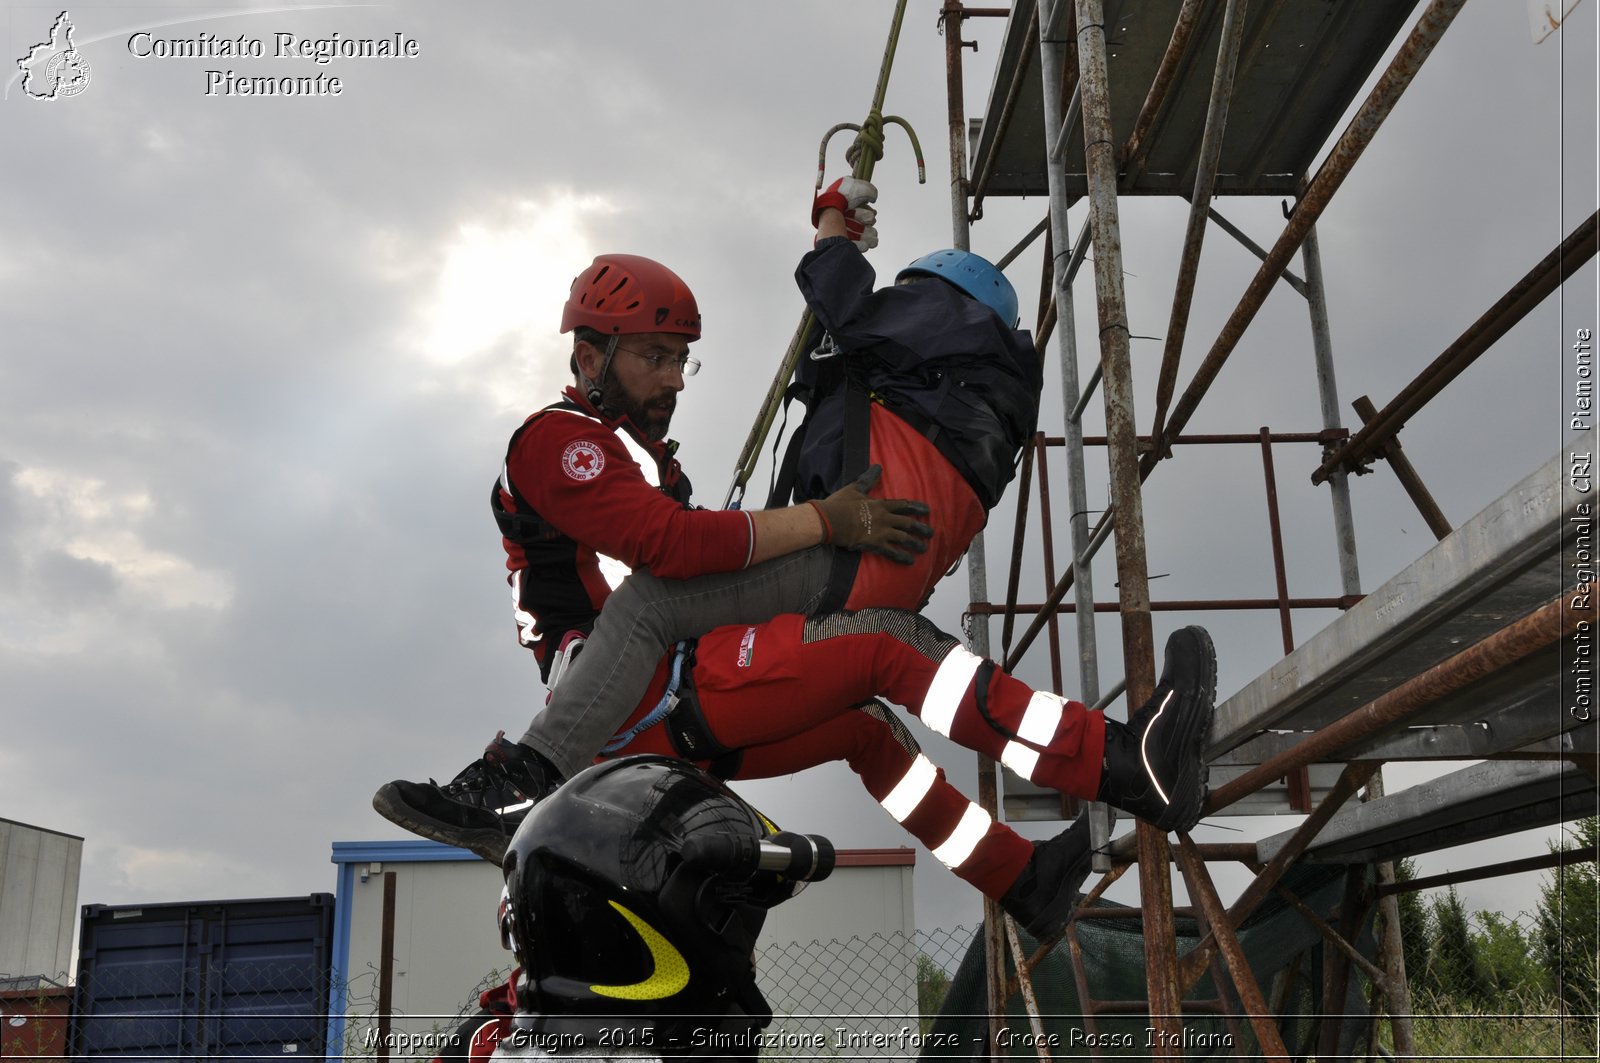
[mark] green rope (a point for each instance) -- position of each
(863, 154)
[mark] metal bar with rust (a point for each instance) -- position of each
(1508, 867)
(1047, 536)
(1336, 968)
(1344, 521)
(386, 964)
(1174, 605)
(1243, 238)
(1548, 275)
(1205, 179)
(1203, 890)
(1042, 226)
(1391, 948)
(1030, 1002)
(1373, 972)
(1220, 438)
(1090, 1006)
(977, 570)
(1058, 66)
(1510, 644)
(1299, 780)
(1406, 473)
(1019, 533)
(1131, 156)
(1138, 640)
(1280, 568)
(980, 186)
(1350, 780)
(1080, 563)
(1351, 144)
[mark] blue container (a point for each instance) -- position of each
(240, 979)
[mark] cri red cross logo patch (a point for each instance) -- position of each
(583, 460)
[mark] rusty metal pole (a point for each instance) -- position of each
(1280, 567)
(1215, 919)
(1546, 277)
(386, 965)
(977, 569)
(1397, 990)
(1540, 628)
(1052, 72)
(1205, 180)
(1349, 148)
(1138, 640)
(1405, 472)
(1344, 521)
(1133, 152)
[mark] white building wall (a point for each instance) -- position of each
(843, 947)
(38, 899)
(446, 942)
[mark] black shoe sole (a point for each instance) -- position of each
(486, 843)
(1198, 727)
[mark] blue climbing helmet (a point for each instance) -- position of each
(973, 274)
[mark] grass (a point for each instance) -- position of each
(1521, 1028)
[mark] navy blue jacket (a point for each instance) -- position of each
(940, 359)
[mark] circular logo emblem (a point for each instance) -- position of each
(583, 460)
(67, 73)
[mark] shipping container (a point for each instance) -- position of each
(205, 979)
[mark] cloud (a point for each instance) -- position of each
(490, 309)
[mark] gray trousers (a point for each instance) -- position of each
(641, 620)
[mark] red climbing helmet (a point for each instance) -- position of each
(621, 294)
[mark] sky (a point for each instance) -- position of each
(261, 357)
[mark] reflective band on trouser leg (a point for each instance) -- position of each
(972, 829)
(949, 686)
(1038, 727)
(911, 789)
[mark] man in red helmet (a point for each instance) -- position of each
(958, 460)
(589, 491)
(1035, 883)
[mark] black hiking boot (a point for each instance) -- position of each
(1152, 767)
(472, 811)
(1046, 893)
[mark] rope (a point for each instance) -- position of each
(863, 155)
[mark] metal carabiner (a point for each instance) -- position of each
(826, 349)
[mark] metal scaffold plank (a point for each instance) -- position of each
(1493, 569)
(1486, 800)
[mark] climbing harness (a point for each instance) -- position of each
(669, 699)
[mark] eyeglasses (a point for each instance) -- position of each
(659, 362)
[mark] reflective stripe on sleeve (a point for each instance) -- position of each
(949, 686)
(641, 457)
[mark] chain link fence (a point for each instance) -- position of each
(1483, 986)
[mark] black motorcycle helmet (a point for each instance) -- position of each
(614, 928)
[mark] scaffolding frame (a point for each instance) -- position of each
(1066, 41)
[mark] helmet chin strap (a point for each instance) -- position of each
(593, 392)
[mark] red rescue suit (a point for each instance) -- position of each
(783, 691)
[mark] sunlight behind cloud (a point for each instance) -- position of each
(501, 277)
